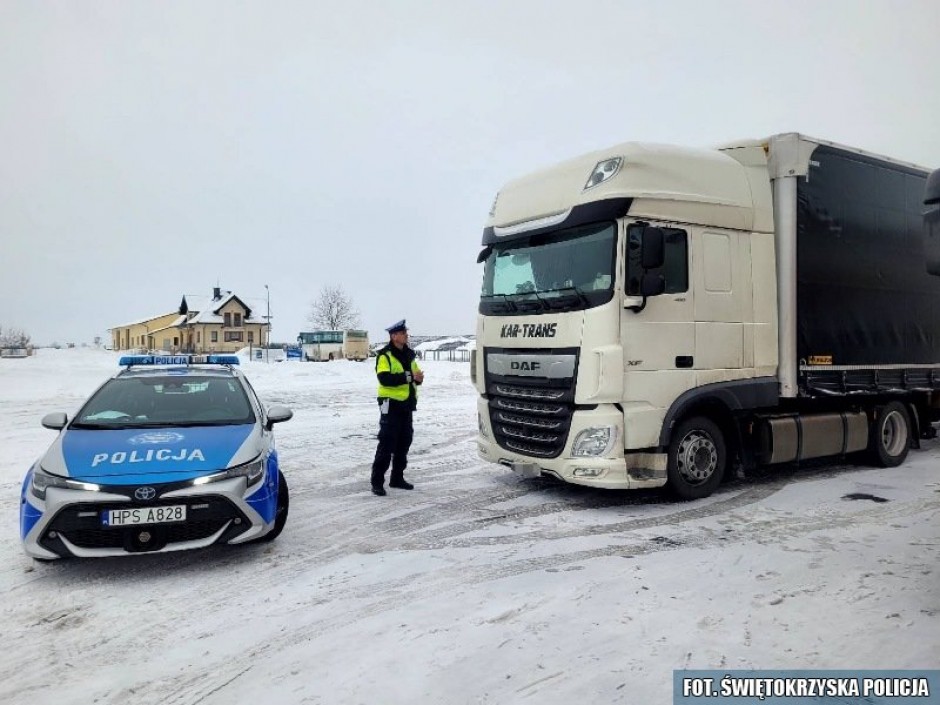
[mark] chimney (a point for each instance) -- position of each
(216, 293)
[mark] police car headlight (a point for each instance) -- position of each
(42, 481)
(594, 441)
(252, 472)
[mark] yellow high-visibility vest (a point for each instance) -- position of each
(386, 362)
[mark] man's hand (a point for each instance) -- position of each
(418, 376)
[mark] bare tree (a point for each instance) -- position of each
(13, 338)
(333, 310)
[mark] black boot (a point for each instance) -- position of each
(401, 484)
(379, 490)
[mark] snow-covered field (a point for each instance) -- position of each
(477, 587)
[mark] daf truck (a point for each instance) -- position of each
(654, 316)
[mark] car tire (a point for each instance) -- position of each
(697, 458)
(280, 514)
(889, 437)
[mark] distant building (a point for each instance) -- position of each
(223, 323)
(455, 349)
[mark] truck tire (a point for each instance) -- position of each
(889, 437)
(697, 458)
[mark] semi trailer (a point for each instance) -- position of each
(653, 315)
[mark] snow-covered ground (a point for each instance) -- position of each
(477, 587)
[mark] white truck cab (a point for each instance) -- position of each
(639, 317)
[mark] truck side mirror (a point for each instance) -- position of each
(653, 254)
(484, 253)
(932, 189)
(652, 284)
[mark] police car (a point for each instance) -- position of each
(172, 453)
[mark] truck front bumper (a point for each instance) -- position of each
(614, 470)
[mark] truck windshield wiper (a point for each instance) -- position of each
(582, 297)
(502, 299)
(540, 304)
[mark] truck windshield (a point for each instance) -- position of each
(561, 270)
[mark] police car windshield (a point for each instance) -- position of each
(166, 400)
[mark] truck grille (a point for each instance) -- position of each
(531, 415)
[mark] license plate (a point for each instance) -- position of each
(528, 470)
(144, 515)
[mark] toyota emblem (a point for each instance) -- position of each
(145, 493)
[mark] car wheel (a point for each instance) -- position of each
(280, 514)
(889, 437)
(697, 458)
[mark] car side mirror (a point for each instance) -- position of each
(653, 252)
(55, 421)
(278, 414)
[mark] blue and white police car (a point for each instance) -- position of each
(171, 453)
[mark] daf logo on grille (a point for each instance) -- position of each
(145, 493)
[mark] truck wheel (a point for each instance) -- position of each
(697, 458)
(280, 514)
(889, 437)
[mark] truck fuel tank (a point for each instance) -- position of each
(797, 437)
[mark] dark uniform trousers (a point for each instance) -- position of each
(395, 434)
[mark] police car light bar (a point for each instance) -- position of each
(130, 360)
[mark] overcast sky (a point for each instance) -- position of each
(154, 149)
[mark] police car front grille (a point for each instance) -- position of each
(80, 524)
(169, 534)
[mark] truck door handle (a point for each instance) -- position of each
(683, 361)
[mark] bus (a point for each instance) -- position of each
(322, 345)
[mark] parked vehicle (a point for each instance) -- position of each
(172, 453)
(652, 315)
(328, 345)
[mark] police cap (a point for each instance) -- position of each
(397, 327)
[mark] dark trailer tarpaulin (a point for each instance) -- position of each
(868, 286)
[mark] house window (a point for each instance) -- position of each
(228, 320)
(233, 336)
(238, 320)
(251, 336)
(215, 336)
(198, 337)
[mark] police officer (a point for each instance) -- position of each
(399, 377)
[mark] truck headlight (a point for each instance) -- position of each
(594, 441)
(42, 481)
(481, 424)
